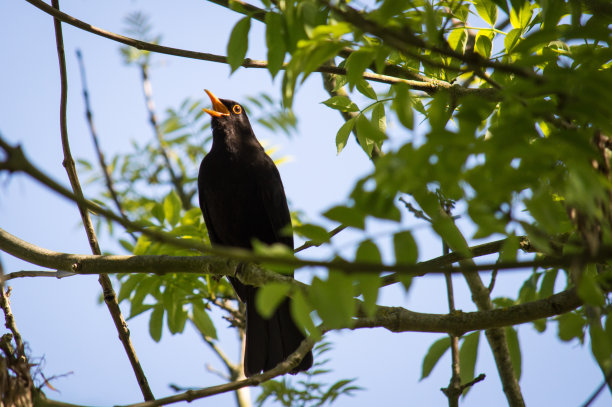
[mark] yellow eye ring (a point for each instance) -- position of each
(237, 109)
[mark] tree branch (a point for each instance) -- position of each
(426, 86)
(36, 273)
(110, 298)
(497, 340)
(148, 94)
(94, 135)
(395, 319)
(406, 41)
(282, 368)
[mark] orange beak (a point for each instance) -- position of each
(219, 108)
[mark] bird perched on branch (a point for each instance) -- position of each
(242, 198)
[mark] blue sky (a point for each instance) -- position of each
(61, 319)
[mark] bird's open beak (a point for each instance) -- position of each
(219, 108)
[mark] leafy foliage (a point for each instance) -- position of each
(500, 107)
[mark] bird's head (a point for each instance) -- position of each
(228, 117)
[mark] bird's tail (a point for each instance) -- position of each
(270, 341)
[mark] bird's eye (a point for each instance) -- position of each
(237, 109)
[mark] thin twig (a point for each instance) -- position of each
(37, 273)
(312, 243)
(280, 369)
(229, 365)
(147, 89)
(453, 391)
(416, 212)
(9, 319)
(472, 382)
(96, 142)
(598, 391)
(425, 86)
(109, 294)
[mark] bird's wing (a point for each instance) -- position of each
(274, 204)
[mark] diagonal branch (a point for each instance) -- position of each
(280, 369)
(110, 297)
(425, 86)
(177, 181)
(94, 135)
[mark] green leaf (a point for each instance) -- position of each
(600, 346)
(435, 352)
(202, 320)
(366, 89)
(347, 216)
(588, 288)
(368, 134)
(344, 132)
(571, 326)
(379, 119)
(275, 41)
(487, 10)
(314, 233)
(128, 246)
(368, 252)
(512, 39)
(406, 250)
(238, 43)
(269, 297)
(156, 323)
(128, 286)
(520, 17)
(342, 103)
(300, 310)
(468, 353)
(484, 45)
(333, 299)
(176, 323)
(142, 245)
(402, 104)
(527, 293)
(368, 283)
(457, 39)
(509, 248)
(515, 350)
(172, 208)
(547, 286)
(357, 63)
(316, 54)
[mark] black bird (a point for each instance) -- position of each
(242, 198)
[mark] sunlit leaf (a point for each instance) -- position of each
(238, 43)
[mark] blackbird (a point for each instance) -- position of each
(242, 198)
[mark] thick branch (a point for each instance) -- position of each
(397, 319)
(394, 319)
